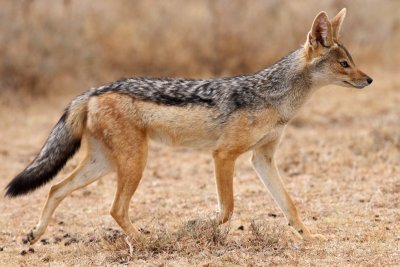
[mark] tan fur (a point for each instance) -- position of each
(76, 120)
(118, 127)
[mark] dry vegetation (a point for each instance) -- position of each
(340, 157)
(70, 45)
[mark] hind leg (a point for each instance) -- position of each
(131, 161)
(94, 166)
(117, 122)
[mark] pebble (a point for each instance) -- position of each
(45, 259)
(44, 241)
(143, 231)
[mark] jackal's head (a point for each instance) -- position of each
(329, 61)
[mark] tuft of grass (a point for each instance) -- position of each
(195, 237)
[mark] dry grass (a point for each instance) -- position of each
(203, 239)
(340, 157)
(71, 45)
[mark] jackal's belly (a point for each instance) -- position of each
(184, 132)
(183, 137)
(201, 127)
(177, 126)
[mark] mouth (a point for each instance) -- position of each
(353, 85)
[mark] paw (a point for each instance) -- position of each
(32, 237)
(304, 234)
(315, 237)
(223, 217)
(135, 237)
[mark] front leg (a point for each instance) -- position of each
(264, 164)
(224, 167)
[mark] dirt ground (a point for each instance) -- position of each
(340, 159)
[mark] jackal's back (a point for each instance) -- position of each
(266, 88)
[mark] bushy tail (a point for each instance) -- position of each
(62, 143)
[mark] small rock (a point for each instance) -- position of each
(31, 250)
(23, 252)
(66, 235)
(44, 241)
(1, 248)
(61, 223)
(124, 261)
(297, 246)
(273, 215)
(45, 259)
(57, 240)
(241, 228)
(71, 241)
(314, 218)
(25, 241)
(143, 231)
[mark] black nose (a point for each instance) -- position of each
(369, 80)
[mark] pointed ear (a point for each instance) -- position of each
(321, 32)
(337, 24)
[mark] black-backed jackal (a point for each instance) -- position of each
(229, 116)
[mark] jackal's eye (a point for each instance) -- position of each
(344, 64)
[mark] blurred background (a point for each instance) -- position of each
(340, 157)
(68, 46)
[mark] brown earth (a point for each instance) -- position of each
(340, 159)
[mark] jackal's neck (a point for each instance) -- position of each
(287, 83)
